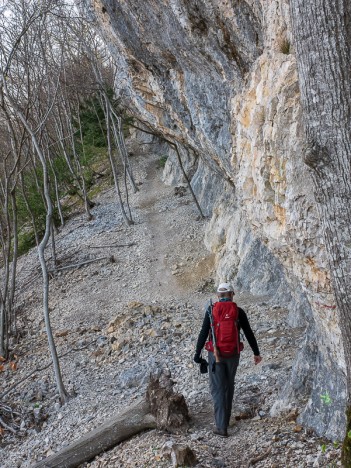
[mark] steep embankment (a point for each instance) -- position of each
(219, 78)
(139, 313)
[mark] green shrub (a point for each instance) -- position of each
(34, 199)
(284, 46)
(26, 240)
(162, 161)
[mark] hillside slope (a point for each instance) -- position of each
(141, 312)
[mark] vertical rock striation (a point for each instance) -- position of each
(219, 78)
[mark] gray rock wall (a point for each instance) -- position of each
(219, 78)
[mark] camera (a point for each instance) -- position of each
(203, 366)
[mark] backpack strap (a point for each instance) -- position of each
(209, 311)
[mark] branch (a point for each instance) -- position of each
(111, 245)
(5, 426)
(255, 460)
(39, 369)
(77, 265)
(16, 45)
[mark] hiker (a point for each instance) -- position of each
(224, 351)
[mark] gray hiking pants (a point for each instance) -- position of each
(222, 388)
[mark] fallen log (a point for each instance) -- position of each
(160, 408)
(129, 422)
(108, 246)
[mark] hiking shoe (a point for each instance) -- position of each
(221, 432)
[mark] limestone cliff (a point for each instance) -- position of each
(219, 78)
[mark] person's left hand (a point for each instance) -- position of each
(257, 359)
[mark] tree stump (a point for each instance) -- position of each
(169, 408)
(179, 455)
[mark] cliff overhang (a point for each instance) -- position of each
(219, 79)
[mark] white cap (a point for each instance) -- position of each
(225, 287)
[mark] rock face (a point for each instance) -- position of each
(219, 79)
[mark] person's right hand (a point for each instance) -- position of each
(257, 360)
(216, 354)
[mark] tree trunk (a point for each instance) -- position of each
(113, 162)
(3, 329)
(6, 251)
(125, 172)
(131, 421)
(29, 209)
(12, 315)
(120, 144)
(57, 192)
(53, 245)
(87, 202)
(41, 248)
(322, 37)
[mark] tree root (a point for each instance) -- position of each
(255, 460)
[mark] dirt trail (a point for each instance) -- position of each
(161, 234)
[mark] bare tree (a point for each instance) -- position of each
(127, 219)
(47, 75)
(43, 243)
(13, 99)
(94, 53)
(8, 226)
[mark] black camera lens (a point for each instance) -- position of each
(203, 367)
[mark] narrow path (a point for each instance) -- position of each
(173, 239)
(162, 233)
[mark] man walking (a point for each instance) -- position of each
(224, 320)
